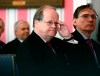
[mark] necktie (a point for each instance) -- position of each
(90, 44)
(48, 43)
(92, 50)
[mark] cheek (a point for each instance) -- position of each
(0, 30)
(18, 32)
(42, 29)
(81, 23)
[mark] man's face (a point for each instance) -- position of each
(47, 27)
(1, 27)
(22, 31)
(86, 20)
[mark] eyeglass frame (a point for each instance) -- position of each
(50, 22)
(93, 16)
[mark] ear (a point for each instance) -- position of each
(36, 23)
(74, 21)
(15, 31)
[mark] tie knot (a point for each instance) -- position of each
(88, 39)
(89, 43)
(48, 42)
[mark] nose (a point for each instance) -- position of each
(54, 25)
(27, 30)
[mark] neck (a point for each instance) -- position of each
(86, 33)
(44, 37)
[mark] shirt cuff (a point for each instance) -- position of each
(73, 41)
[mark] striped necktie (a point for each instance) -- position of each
(92, 50)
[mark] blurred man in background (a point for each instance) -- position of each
(1, 31)
(22, 31)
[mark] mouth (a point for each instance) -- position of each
(90, 24)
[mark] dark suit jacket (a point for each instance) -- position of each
(81, 58)
(11, 47)
(1, 45)
(35, 58)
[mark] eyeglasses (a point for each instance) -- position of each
(50, 22)
(94, 16)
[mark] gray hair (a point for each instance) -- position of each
(19, 22)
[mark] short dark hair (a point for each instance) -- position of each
(77, 11)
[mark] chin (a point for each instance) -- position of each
(52, 35)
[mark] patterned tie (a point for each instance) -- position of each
(92, 50)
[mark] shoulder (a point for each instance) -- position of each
(95, 43)
(1, 43)
(13, 42)
(56, 40)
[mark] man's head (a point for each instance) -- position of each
(22, 29)
(45, 21)
(1, 26)
(85, 19)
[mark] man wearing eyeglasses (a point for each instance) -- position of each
(42, 54)
(86, 57)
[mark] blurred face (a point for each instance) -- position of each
(47, 27)
(1, 27)
(86, 21)
(22, 31)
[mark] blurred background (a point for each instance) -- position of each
(25, 11)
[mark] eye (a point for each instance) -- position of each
(94, 16)
(85, 16)
(56, 23)
(50, 23)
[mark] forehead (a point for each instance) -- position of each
(87, 11)
(50, 13)
(23, 25)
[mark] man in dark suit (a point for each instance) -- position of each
(35, 57)
(21, 30)
(85, 60)
(1, 31)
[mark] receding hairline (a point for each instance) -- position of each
(47, 7)
(18, 23)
